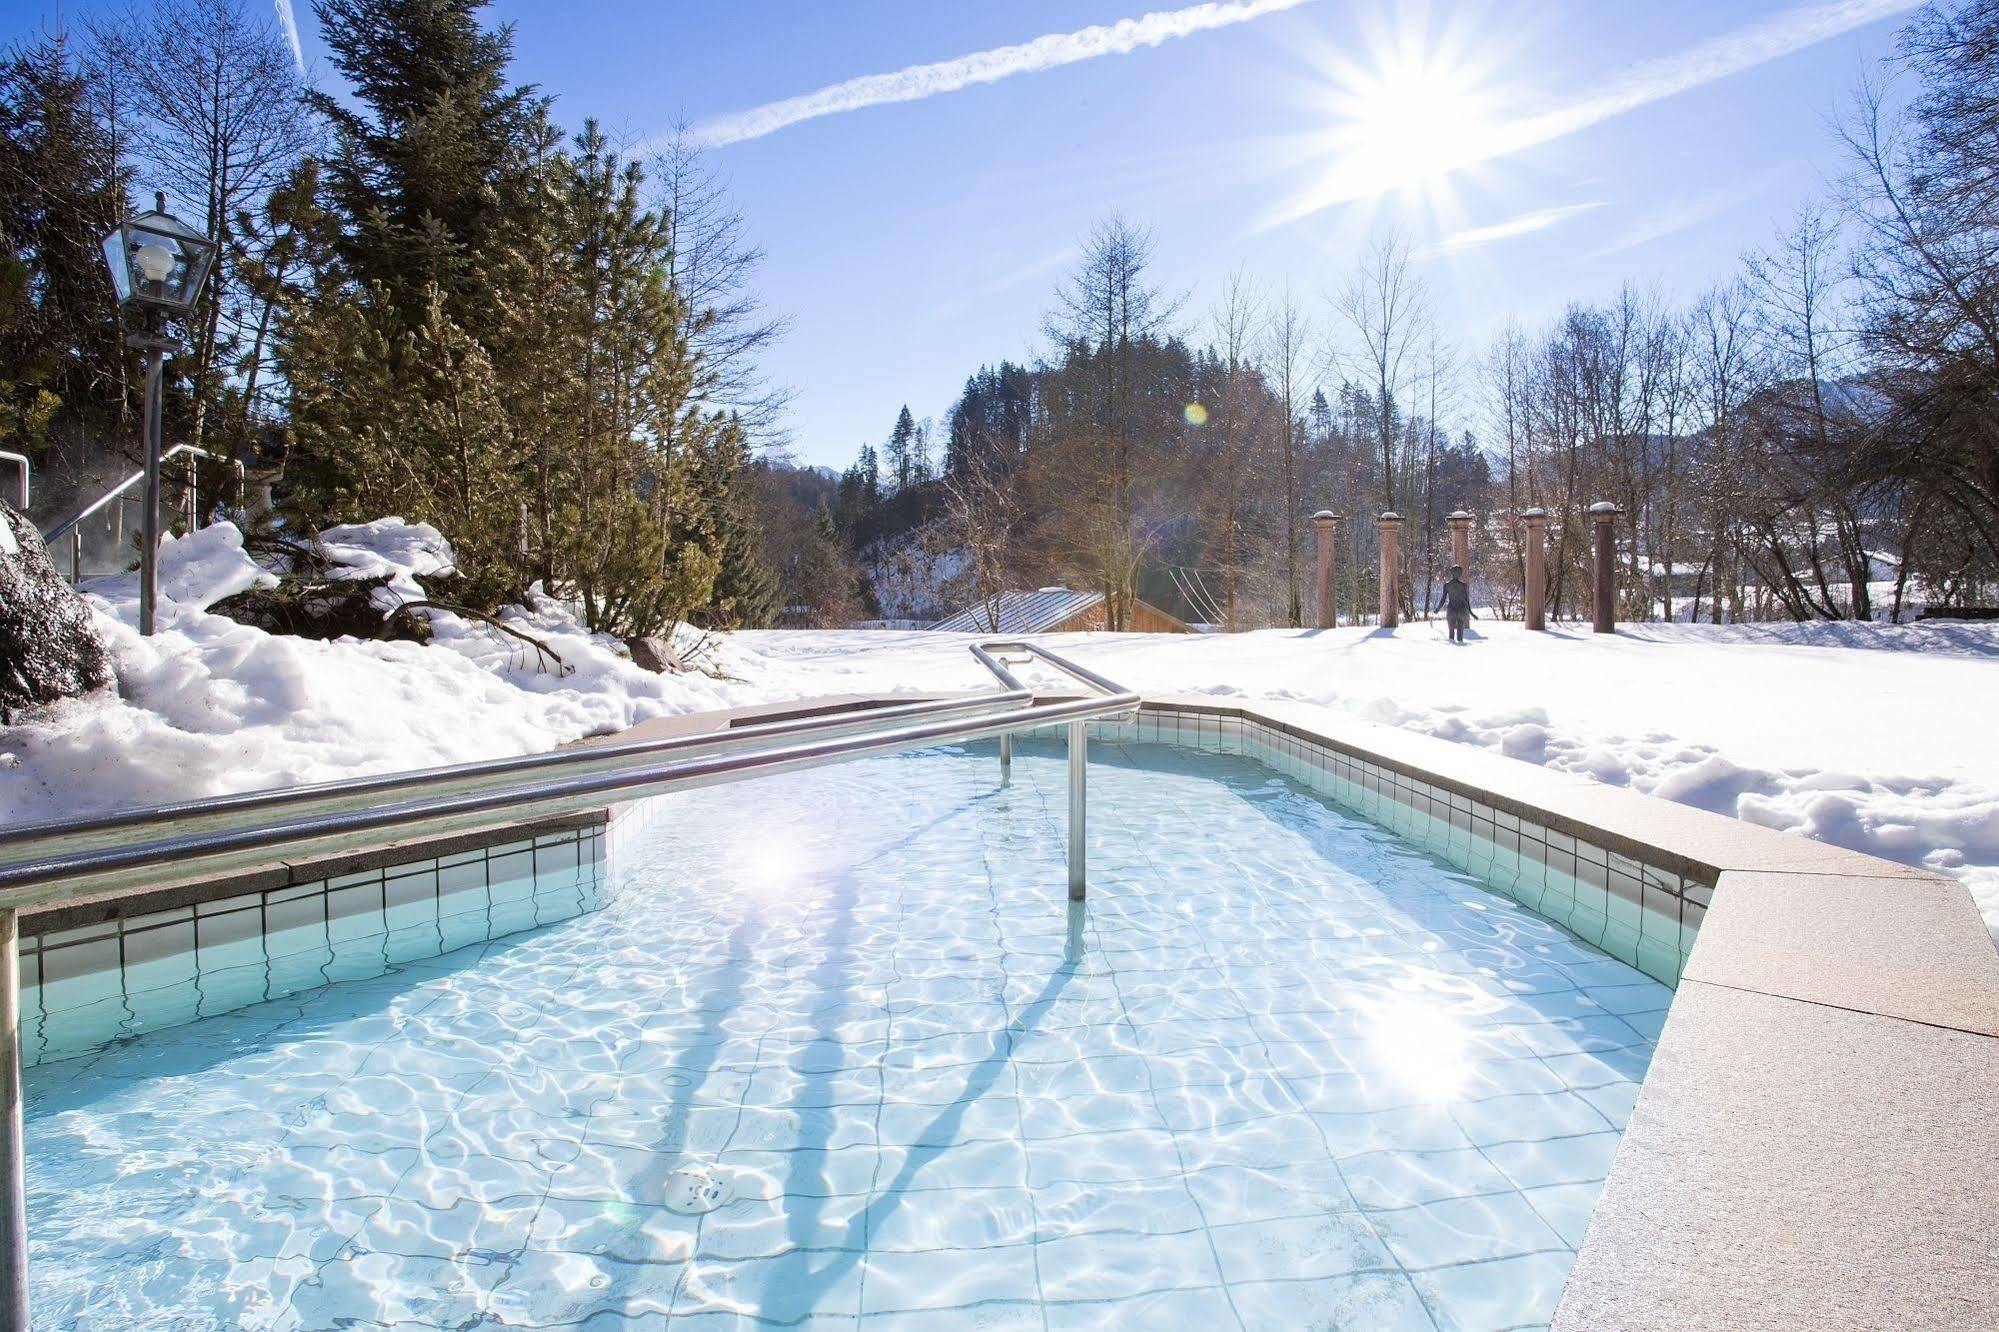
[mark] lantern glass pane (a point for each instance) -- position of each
(114, 259)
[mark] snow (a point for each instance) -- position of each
(403, 551)
(208, 705)
(195, 571)
(1876, 737)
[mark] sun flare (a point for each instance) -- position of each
(1407, 116)
(1409, 123)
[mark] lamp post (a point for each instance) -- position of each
(159, 265)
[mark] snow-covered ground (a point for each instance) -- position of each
(1876, 737)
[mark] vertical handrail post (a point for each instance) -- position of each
(75, 554)
(13, 1173)
(1079, 771)
(1006, 754)
(149, 516)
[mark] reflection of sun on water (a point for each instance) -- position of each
(771, 867)
(1422, 1046)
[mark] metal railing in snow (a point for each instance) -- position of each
(71, 862)
(72, 526)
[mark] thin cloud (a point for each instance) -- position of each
(1538, 220)
(1677, 215)
(288, 23)
(1649, 81)
(917, 82)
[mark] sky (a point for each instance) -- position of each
(920, 175)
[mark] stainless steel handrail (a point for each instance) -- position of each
(994, 656)
(70, 526)
(984, 652)
(106, 871)
(185, 817)
(69, 862)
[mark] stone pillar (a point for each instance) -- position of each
(1603, 598)
(1390, 525)
(1326, 532)
(1535, 595)
(1461, 541)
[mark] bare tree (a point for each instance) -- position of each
(1234, 457)
(1386, 309)
(1722, 365)
(1285, 339)
(214, 100)
(1805, 428)
(714, 266)
(982, 513)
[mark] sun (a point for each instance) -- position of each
(1402, 117)
(1409, 123)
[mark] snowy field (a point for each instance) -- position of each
(1876, 737)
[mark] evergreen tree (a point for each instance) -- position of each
(901, 451)
(62, 189)
(746, 590)
(430, 169)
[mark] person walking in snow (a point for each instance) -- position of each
(1454, 599)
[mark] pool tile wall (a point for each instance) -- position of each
(1642, 914)
(85, 986)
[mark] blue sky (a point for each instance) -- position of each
(1535, 153)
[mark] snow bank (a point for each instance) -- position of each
(403, 551)
(195, 571)
(208, 705)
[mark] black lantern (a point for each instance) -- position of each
(159, 264)
(158, 260)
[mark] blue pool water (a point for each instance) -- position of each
(839, 1053)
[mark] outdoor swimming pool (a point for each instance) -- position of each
(838, 1048)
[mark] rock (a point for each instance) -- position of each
(655, 655)
(49, 648)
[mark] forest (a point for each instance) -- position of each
(435, 300)
(1811, 437)
(431, 300)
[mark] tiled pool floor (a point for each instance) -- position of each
(1281, 1071)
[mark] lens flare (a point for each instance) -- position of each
(1195, 414)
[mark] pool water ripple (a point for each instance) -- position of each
(839, 1053)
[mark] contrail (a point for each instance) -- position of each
(1001, 62)
(288, 22)
(1642, 84)
(1524, 224)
